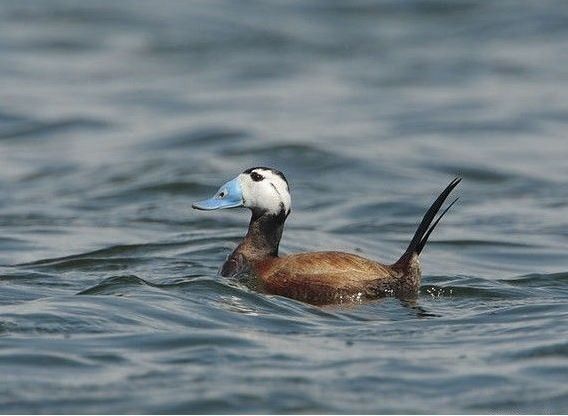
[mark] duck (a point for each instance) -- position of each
(321, 277)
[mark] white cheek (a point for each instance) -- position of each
(286, 199)
(262, 195)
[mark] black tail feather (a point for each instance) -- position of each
(426, 226)
(425, 238)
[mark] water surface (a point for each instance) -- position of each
(115, 116)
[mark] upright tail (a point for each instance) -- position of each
(426, 226)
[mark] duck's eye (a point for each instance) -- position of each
(222, 194)
(257, 177)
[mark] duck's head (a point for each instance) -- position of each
(263, 190)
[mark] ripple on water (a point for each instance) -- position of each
(311, 157)
(203, 137)
(38, 130)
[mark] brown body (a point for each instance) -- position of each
(335, 277)
(322, 277)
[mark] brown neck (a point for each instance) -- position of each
(260, 243)
(264, 233)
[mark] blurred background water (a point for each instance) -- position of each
(116, 115)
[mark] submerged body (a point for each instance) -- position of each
(323, 277)
(314, 277)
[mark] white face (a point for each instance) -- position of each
(264, 189)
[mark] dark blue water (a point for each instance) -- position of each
(116, 115)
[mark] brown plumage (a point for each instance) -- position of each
(325, 277)
(320, 277)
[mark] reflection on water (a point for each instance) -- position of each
(115, 116)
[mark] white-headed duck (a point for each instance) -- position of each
(314, 277)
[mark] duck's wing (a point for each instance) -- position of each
(330, 262)
(324, 277)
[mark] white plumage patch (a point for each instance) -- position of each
(270, 193)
